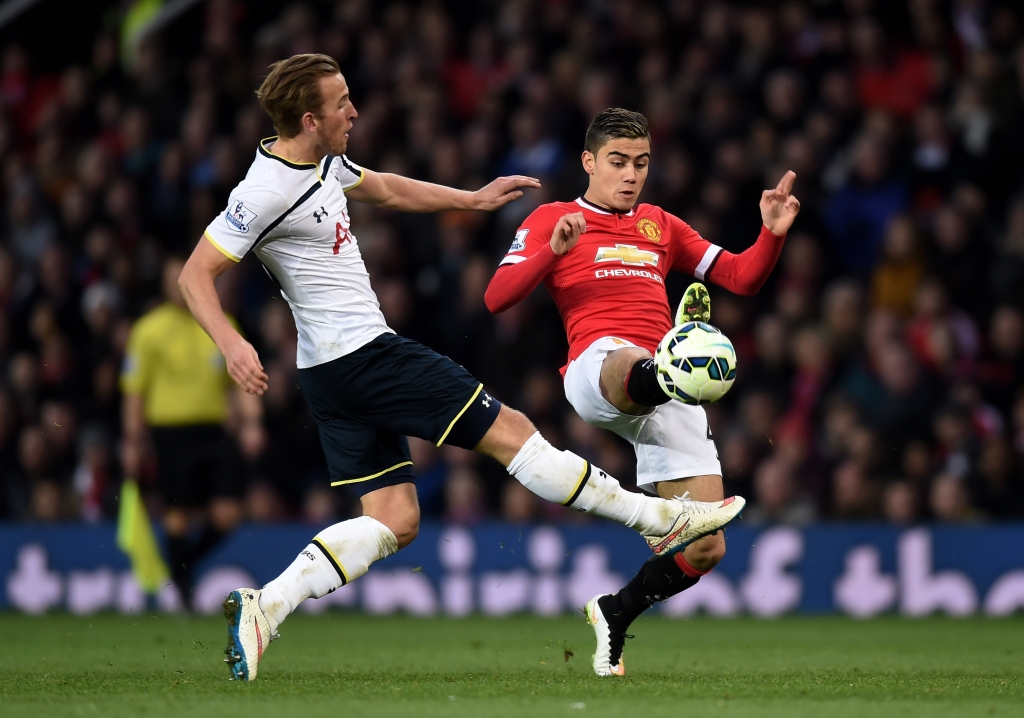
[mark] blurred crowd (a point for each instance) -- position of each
(881, 369)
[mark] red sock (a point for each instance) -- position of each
(686, 568)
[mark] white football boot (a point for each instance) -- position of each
(248, 633)
(695, 520)
(608, 652)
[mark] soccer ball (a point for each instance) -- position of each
(696, 363)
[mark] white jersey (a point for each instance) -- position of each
(294, 218)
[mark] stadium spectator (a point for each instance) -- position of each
(778, 498)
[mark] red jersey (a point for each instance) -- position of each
(612, 282)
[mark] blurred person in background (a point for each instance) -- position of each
(901, 504)
(895, 278)
(854, 493)
(950, 501)
(177, 392)
(778, 496)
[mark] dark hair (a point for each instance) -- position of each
(612, 124)
(293, 88)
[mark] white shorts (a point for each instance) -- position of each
(672, 442)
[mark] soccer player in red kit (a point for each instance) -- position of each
(604, 259)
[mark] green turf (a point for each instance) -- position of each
(344, 665)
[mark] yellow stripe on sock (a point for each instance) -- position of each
(323, 544)
(459, 415)
(583, 475)
(371, 476)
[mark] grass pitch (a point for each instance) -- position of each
(352, 665)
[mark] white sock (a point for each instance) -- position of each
(339, 554)
(564, 478)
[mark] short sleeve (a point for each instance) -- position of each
(249, 214)
(691, 253)
(532, 235)
(137, 367)
(349, 173)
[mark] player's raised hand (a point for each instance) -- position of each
(567, 232)
(778, 207)
(245, 368)
(502, 191)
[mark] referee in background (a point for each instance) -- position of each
(177, 389)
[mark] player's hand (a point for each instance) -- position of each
(778, 207)
(567, 232)
(502, 191)
(245, 368)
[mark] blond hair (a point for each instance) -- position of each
(293, 88)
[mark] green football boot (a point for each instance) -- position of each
(695, 306)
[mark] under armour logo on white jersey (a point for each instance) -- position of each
(320, 215)
(486, 400)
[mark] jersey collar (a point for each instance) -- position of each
(601, 210)
(287, 163)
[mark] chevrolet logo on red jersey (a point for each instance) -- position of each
(627, 254)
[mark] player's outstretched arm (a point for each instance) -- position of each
(196, 286)
(392, 191)
(745, 273)
(512, 283)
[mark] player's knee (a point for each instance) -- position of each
(614, 371)
(404, 522)
(397, 508)
(406, 530)
(704, 554)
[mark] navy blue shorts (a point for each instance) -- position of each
(367, 402)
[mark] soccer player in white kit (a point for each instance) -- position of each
(367, 387)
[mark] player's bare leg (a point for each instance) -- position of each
(564, 478)
(704, 553)
(617, 371)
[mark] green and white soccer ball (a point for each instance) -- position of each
(696, 363)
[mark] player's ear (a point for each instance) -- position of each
(309, 122)
(589, 162)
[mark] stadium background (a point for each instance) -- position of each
(881, 368)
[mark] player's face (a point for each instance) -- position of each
(618, 173)
(336, 115)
